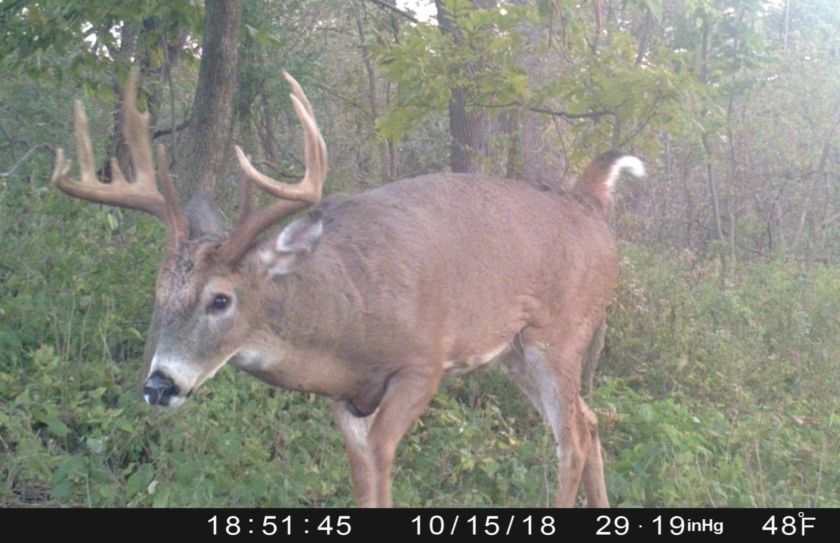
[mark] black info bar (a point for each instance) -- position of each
(373, 525)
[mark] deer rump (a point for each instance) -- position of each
(445, 271)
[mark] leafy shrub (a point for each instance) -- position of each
(722, 397)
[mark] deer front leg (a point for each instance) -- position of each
(355, 431)
(372, 441)
(407, 397)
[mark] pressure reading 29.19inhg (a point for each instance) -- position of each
(673, 525)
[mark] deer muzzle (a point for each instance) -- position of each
(160, 390)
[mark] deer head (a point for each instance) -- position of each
(201, 290)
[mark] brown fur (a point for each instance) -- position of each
(405, 268)
(417, 275)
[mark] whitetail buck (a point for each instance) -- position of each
(372, 299)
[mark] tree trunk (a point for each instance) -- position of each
(599, 18)
(393, 150)
(465, 126)
(205, 147)
(467, 136)
(382, 146)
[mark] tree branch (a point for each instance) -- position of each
(553, 112)
(23, 159)
(165, 131)
(643, 124)
(396, 10)
(7, 136)
(572, 116)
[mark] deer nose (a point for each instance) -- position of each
(159, 389)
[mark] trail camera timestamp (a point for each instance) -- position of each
(287, 525)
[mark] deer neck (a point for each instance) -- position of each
(301, 324)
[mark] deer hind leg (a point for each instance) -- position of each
(372, 441)
(594, 484)
(593, 355)
(551, 380)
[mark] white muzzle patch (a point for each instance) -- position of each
(178, 370)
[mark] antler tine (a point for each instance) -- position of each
(136, 133)
(292, 197)
(297, 90)
(310, 188)
(142, 194)
(84, 148)
(177, 222)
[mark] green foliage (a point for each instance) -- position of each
(722, 397)
(483, 59)
(57, 40)
(487, 59)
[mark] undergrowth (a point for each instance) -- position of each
(708, 395)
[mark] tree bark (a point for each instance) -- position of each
(467, 136)
(599, 18)
(465, 126)
(373, 104)
(207, 141)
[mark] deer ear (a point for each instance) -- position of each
(204, 217)
(294, 244)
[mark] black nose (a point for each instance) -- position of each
(159, 389)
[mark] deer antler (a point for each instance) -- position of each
(142, 194)
(292, 197)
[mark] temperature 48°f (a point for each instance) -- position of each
(789, 524)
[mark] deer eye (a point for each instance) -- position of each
(219, 303)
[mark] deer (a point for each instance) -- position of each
(372, 299)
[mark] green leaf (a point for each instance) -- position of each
(56, 427)
(139, 480)
(161, 499)
(96, 445)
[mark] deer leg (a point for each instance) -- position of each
(561, 402)
(551, 380)
(406, 398)
(355, 431)
(593, 355)
(593, 473)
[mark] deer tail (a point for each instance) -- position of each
(598, 179)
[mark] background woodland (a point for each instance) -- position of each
(720, 383)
